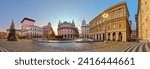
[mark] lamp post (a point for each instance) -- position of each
(105, 16)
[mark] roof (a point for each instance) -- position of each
(65, 22)
(112, 7)
(139, 1)
(27, 19)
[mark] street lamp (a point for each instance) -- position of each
(105, 16)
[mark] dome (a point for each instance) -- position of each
(65, 22)
(49, 24)
(83, 23)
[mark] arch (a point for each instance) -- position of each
(68, 36)
(114, 36)
(65, 36)
(103, 36)
(100, 37)
(71, 35)
(108, 36)
(120, 36)
(97, 37)
(94, 36)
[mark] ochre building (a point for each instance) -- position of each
(143, 20)
(112, 25)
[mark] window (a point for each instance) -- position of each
(120, 26)
(108, 27)
(146, 19)
(120, 12)
(97, 22)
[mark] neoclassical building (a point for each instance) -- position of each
(30, 30)
(68, 30)
(113, 24)
(84, 30)
(143, 20)
(3, 35)
(48, 31)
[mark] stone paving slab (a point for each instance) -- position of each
(33, 46)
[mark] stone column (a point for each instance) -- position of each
(111, 37)
(117, 36)
(124, 36)
(106, 36)
(95, 36)
(101, 36)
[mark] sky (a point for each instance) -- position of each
(44, 11)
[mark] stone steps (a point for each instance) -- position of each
(143, 47)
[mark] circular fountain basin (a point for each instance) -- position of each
(63, 41)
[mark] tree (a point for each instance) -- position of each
(12, 33)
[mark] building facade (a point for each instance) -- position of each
(68, 30)
(3, 35)
(48, 31)
(133, 35)
(136, 20)
(143, 20)
(84, 30)
(30, 30)
(113, 24)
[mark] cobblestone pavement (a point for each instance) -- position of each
(32, 46)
